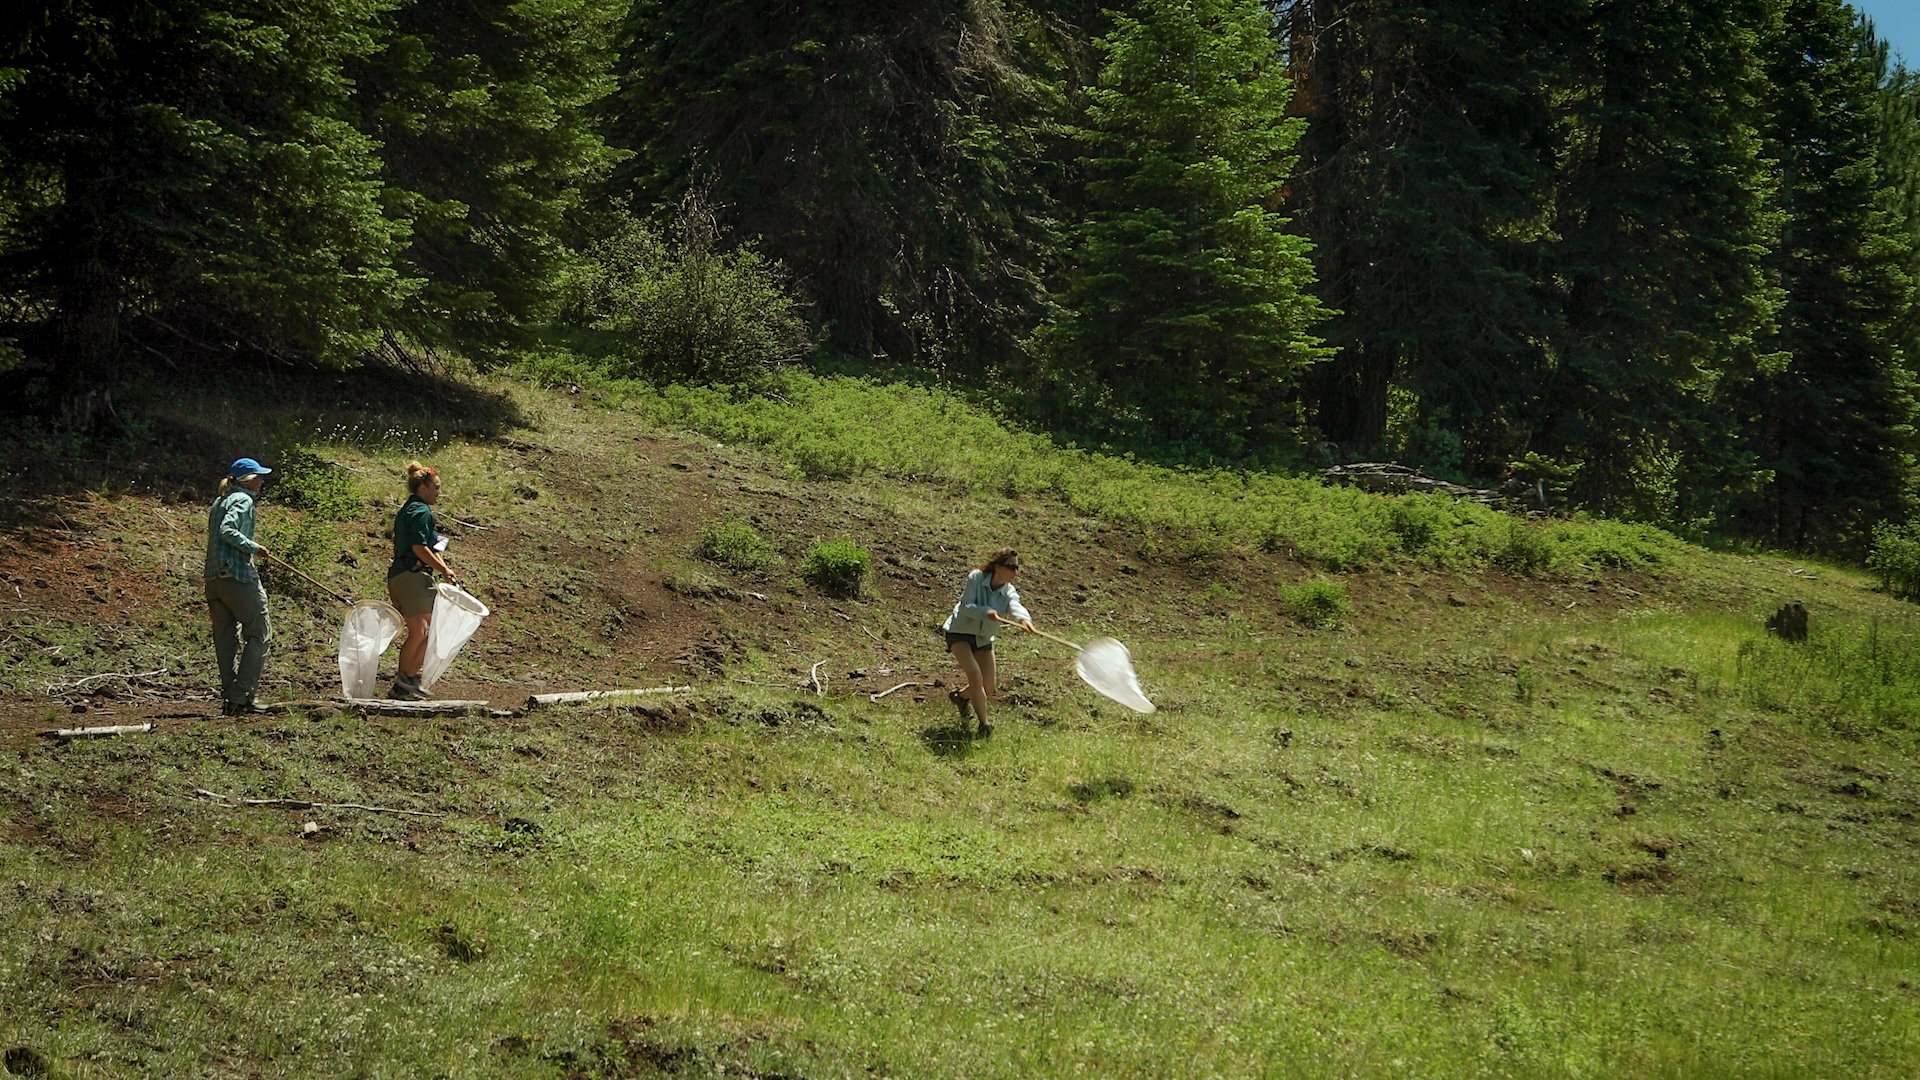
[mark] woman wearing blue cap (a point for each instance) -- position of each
(235, 599)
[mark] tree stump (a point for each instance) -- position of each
(1789, 623)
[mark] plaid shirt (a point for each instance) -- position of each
(970, 614)
(230, 545)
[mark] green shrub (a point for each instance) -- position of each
(680, 308)
(1421, 522)
(818, 459)
(1321, 605)
(1524, 550)
(304, 479)
(735, 544)
(696, 584)
(303, 545)
(1896, 558)
(837, 567)
(1617, 544)
(1526, 683)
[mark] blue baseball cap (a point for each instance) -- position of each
(246, 467)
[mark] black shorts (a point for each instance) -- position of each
(953, 639)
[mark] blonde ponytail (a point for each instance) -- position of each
(416, 475)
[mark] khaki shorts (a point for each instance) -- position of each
(412, 592)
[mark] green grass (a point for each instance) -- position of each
(841, 427)
(1485, 823)
(803, 890)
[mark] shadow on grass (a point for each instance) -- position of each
(180, 429)
(949, 740)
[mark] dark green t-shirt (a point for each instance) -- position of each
(414, 525)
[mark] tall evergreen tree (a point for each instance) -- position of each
(1665, 219)
(1897, 165)
(481, 112)
(1835, 426)
(188, 173)
(1425, 184)
(886, 153)
(1188, 308)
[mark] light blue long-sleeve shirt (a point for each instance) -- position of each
(970, 614)
(230, 544)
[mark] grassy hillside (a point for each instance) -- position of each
(1432, 791)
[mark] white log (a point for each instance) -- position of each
(98, 732)
(538, 700)
(414, 708)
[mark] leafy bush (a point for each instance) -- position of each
(818, 459)
(682, 309)
(302, 544)
(736, 544)
(1618, 544)
(1526, 683)
(1896, 558)
(1321, 605)
(837, 567)
(1525, 550)
(304, 479)
(1421, 522)
(696, 584)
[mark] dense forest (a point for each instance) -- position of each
(1661, 255)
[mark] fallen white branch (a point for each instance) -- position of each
(601, 695)
(55, 688)
(891, 689)
(819, 687)
(305, 804)
(98, 732)
(414, 708)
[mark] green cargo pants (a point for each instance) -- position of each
(239, 611)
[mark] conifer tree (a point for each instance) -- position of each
(480, 109)
(1426, 180)
(1664, 214)
(1897, 166)
(887, 153)
(1188, 314)
(1835, 426)
(188, 173)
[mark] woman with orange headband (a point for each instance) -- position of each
(416, 556)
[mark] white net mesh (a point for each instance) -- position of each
(456, 615)
(1107, 667)
(370, 626)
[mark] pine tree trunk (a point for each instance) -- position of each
(88, 340)
(1352, 393)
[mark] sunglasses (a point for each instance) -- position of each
(1011, 566)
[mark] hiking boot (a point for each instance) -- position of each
(960, 702)
(407, 688)
(245, 708)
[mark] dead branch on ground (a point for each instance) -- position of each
(304, 804)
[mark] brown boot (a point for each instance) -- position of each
(959, 698)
